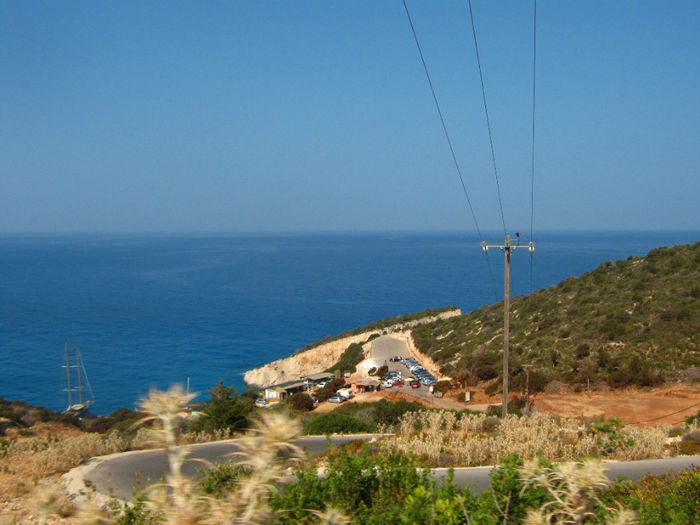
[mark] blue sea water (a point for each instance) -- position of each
(150, 310)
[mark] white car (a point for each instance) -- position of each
(388, 383)
(336, 398)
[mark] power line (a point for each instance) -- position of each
(532, 158)
(449, 142)
(442, 120)
(488, 120)
(665, 415)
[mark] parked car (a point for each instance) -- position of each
(336, 398)
(398, 382)
(395, 358)
(415, 384)
(347, 393)
(388, 383)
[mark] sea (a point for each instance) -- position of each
(150, 310)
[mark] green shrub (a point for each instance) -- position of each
(301, 401)
(388, 413)
(225, 410)
(333, 423)
(693, 419)
(349, 359)
(688, 448)
(661, 499)
(221, 478)
(492, 388)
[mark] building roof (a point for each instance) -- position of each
(319, 376)
(367, 381)
(286, 386)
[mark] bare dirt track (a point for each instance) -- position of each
(643, 407)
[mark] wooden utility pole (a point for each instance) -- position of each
(507, 248)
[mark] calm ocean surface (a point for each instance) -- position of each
(150, 310)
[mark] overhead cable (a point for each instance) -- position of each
(532, 157)
(449, 141)
(488, 120)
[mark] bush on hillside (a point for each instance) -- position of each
(588, 328)
(301, 401)
(333, 423)
(349, 359)
(388, 413)
(225, 410)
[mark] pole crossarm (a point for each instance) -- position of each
(530, 246)
(507, 248)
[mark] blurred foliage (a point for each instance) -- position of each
(661, 499)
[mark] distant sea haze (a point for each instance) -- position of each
(151, 310)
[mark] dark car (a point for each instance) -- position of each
(415, 383)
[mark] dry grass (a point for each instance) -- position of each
(177, 500)
(39, 457)
(574, 488)
(443, 439)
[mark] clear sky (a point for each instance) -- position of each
(316, 115)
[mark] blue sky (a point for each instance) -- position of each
(316, 115)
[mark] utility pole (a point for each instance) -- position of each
(527, 389)
(507, 248)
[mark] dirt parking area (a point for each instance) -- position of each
(648, 407)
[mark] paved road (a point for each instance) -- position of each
(120, 474)
(478, 478)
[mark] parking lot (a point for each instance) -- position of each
(385, 348)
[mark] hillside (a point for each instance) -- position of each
(327, 353)
(627, 322)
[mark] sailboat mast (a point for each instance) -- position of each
(70, 399)
(77, 366)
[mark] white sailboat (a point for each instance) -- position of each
(76, 409)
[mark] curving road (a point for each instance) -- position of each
(120, 474)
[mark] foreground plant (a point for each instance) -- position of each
(574, 488)
(263, 457)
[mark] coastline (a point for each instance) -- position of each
(323, 356)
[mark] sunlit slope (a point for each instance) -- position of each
(627, 322)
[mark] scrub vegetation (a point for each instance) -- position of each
(630, 322)
(381, 325)
(369, 488)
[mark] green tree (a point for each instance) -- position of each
(301, 401)
(225, 410)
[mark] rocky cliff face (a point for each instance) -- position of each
(319, 358)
